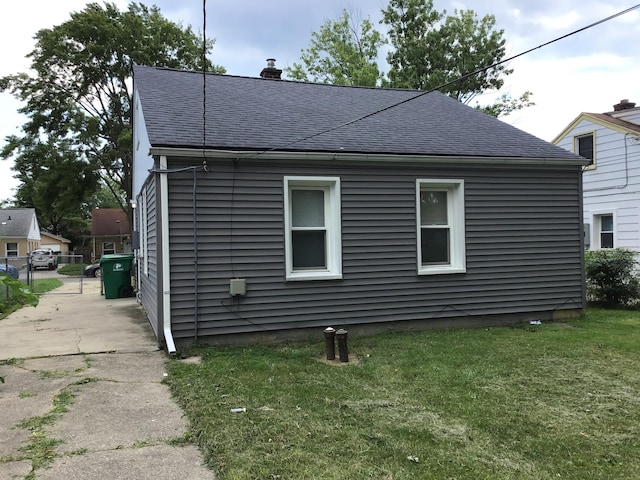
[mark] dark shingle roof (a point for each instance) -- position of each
(258, 114)
(109, 221)
(16, 222)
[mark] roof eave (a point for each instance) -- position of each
(360, 157)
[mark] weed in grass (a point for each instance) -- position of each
(79, 451)
(182, 441)
(144, 443)
(51, 374)
(85, 380)
(10, 458)
(36, 423)
(41, 451)
(41, 448)
(13, 362)
(26, 394)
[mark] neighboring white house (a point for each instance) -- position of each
(611, 183)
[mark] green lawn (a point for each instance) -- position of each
(10, 302)
(558, 400)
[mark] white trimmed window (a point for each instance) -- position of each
(108, 248)
(604, 225)
(584, 145)
(11, 249)
(313, 244)
(441, 236)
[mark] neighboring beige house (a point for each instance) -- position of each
(54, 242)
(19, 232)
(110, 232)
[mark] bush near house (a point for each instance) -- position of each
(611, 276)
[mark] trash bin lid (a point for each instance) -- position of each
(117, 257)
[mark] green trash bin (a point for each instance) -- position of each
(116, 275)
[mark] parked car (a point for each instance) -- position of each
(10, 269)
(44, 258)
(93, 270)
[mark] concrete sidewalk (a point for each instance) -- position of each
(84, 398)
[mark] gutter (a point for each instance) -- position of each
(395, 159)
(166, 269)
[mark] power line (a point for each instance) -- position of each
(422, 94)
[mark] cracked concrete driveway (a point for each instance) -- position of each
(84, 397)
(66, 323)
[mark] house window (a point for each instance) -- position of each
(584, 146)
(606, 231)
(108, 248)
(312, 228)
(11, 249)
(440, 225)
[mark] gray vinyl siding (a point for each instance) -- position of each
(149, 283)
(523, 229)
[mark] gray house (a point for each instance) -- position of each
(277, 208)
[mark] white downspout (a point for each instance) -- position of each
(166, 277)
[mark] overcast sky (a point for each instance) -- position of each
(588, 72)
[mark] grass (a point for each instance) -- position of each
(44, 285)
(10, 303)
(531, 402)
(72, 269)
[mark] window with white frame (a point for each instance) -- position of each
(108, 248)
(604, 224)
(11, 249)
(313, 244)
(441, 230)
(584, 146)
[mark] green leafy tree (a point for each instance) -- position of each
(79, 96)
(342, 52)
(435, 50)
(54, 180)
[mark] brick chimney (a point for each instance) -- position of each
(270, 71)
(624, 104)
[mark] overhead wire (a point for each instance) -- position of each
(458, 79)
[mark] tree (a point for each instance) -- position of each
(53, 180)
(79, 100)
(435, 50)
(343, 52)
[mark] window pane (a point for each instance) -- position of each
(307, 208)
(108, 248)
(435, 246)
(606, 222)
(12, 249)
(606, 240)
(309, 249)
(433, 208)
(585, 147)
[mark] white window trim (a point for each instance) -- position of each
(114, 248)
(7, 249)
(576, 148)
(331, 186)
(596, 242)
(455, 205)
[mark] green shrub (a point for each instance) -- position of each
(611, 276)
(14, 294)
